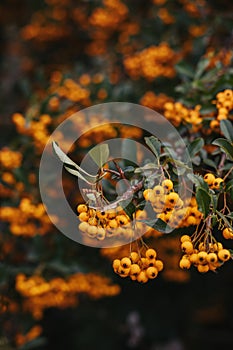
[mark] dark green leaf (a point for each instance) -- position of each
(229, 188)
(227, 129)
(225, 145)
(154, 144)
(201, 66)
(184, 69)
(158, 225)
(203, 200)
(195, 146)
(198, 181)
(224, 218)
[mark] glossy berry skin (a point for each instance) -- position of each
(151, 272)
(142, 277)
(125, 263)
(227, 233)
(167, 185)
(135, 269)
(209, 178)
(185, 264)
(151, 254)
(187, 247)
(224, 254)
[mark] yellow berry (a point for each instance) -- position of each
(184, 264)
(202, 256)
(101, 233)
(187, 247)
(212, 258)
(92, 231)
(151, 272)
(92, 221)
(158, 190)
(135, 269)
(116, 264)
(209, 178)
(227, 233)
(142, 277)
(122, 219)
(101, 215)
(159, 265)
(185, 238)
(216, 183)
(125, 263)
(134, 257)
(151, 253)
(123, 272)
(203, 268)
(167, 185)
(82, 208)
(191, 220)
(194, 258)
(171, 199)
(83, 226)
(224, 254)
(149, 195)
(83, 216)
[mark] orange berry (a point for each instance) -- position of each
(134, 257)
(135, 269)
(185, 238)
(202, 256)
(82, 208)
(212, 258)
(224, 254)
(203, 268)
(151, 253)
(167, 185)
(216, 183)
(209, 178)
(125, 263)
(185, 264)
(83, 216)
(159, 265)
(187, 247)
(227, 233)
(142, 277)
(151, 272)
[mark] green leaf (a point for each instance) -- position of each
(227, 129)
(229, 188)
(201, 66)
(100, 154)
(210, 163)
(129, 150)
(72, 167)
(203, 200)
(224, 218)
(184, 69)
(230, 215)
(225, 145)
(198, 181)
(154, 144)
(195, 146)
(158, 225)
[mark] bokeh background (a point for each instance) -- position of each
(58, 57)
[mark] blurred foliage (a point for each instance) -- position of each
(58, 57)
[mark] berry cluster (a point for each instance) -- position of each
(212, 181)
(137, 267)
(170, 208)
(203, 255)
(105, 223)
